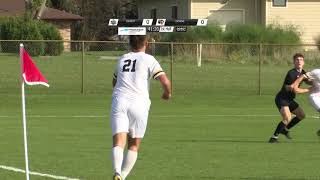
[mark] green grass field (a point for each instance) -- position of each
(215, 127)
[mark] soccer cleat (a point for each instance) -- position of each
(117, 176)
(286, 133)
(318, 132)
(273, 140)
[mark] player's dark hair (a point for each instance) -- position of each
(137, 42)
(297, 55)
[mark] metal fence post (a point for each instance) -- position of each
(82, 69)
(171, 68)
(200, 55)
(259, 75)
(153, 47)
(197, 54)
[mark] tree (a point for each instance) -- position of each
(65, 5)
(32, 7)
(96, 14)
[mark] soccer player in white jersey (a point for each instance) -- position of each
(131, 103)
(314, 91)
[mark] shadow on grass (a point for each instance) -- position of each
(242, 141)
(245, 178)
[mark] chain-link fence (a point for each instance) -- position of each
(87, 66)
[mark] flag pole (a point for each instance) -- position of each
(24, 116)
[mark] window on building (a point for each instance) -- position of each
(174, 12)
(154, 13)
(279, 3)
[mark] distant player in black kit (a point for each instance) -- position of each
(285, 99)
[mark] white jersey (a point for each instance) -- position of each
(315, 77)
(133, 73)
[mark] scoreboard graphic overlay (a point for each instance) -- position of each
(142, 26)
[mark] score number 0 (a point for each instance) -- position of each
(202, 22)
(147, 22)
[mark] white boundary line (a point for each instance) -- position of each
(160, 116)
(36, 173)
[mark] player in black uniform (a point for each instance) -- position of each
(285, 100)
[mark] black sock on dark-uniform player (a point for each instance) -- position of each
(279, 128)
(293, 122)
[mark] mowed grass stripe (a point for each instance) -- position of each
(186, 138)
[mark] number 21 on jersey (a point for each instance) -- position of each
(128, 67)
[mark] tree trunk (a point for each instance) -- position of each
(43, 6)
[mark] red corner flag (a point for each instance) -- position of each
(31, 74)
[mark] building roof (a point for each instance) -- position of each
(12, 7)
(18, 7)
(55, 14)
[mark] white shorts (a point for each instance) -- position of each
(130, 116)
(314, 99)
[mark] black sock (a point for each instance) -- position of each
(279, 128)
(285, 130)
(293, 122)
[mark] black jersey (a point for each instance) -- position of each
(291, 76)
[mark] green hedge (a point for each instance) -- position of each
(14, 28)
(210, 33)
(272, 34)
(237, 33)
(25, 28)
(49, 32)
(275, 34)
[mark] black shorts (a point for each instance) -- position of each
(280, 102)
